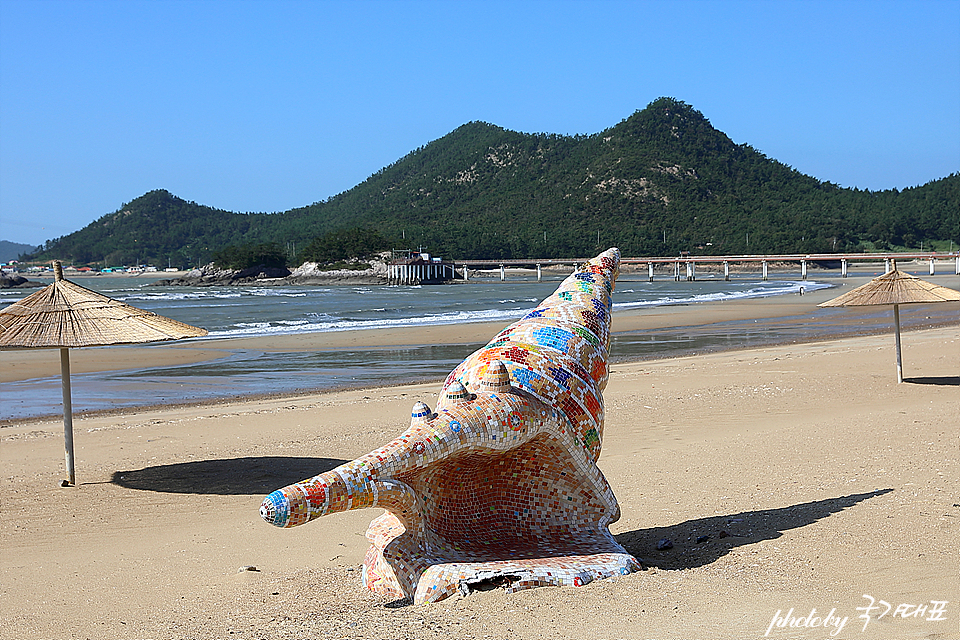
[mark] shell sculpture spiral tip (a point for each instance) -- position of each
(500, 484)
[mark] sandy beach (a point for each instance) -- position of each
(810, 478)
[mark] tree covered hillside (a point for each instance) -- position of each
(156, 227)
(661, 181)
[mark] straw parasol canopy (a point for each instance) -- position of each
(894, 287)
(64, 315)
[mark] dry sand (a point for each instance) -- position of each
(817, 478)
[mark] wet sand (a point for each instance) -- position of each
(216, 370)
(30, 364)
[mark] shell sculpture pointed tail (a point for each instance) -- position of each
(500, 484)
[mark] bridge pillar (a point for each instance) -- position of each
(503, 273)
(676, 271)
(650, 271)
(803, 269)
(539, 274)
(933, 269)
(843, 268)
(764, 266)
(726, 270)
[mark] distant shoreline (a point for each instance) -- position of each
(71, 274)
(770, 314)
(662, 270)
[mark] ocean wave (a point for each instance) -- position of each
(255, 311)
(346, 324)
(771, 289)
(217, 293)
(162, 296)
(318, 322)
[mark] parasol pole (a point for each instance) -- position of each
(67, 404)
(67, 416)
(896, 330)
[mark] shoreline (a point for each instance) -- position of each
(243, 398)
(45, 362)
(26, 365)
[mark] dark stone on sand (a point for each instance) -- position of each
(664, 544)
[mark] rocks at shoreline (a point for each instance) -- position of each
(16, 281)
(210, 276)
(309, 273)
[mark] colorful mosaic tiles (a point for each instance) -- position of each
(499, 485)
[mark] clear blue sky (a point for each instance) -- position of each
(265, 106)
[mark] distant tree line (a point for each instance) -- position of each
(245, 256)
(339, 245)
(333, 248)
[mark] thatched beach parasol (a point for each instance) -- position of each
(894, 287)
(64, 315)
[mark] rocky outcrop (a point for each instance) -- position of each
(313, 273)
(310, 273)
(16, 281)
(211, 276)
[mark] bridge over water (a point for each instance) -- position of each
(429, 270)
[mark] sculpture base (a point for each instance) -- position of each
(443, 580)
(393, 567)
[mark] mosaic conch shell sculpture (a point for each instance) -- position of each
(499, 485)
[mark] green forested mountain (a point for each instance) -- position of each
(661, 181)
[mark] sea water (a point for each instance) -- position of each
(251, 311)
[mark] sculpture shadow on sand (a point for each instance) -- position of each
(229, 476)
(699, 542)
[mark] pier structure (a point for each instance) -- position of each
(420, 270)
